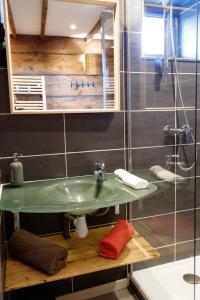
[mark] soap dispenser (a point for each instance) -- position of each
(16, 172)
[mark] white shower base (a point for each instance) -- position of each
(165, 282)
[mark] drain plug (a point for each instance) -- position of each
(191, 278)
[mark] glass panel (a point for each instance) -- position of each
(161, 90)
(107, 41)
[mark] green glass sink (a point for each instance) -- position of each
(79, 195)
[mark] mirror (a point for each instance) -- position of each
(63, 55)
(169, 29)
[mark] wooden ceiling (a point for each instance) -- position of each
(55, 17)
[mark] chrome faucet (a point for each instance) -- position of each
(100, 171)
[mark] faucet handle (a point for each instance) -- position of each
(100, 165)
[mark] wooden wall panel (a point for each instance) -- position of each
(29, 63)
(53, 45)
(93, 64)
(52, 55)
(83, 102)
(61, 86)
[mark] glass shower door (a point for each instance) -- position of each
(162, 92)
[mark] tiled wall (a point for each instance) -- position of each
(54, 146)
(166, 219)
(57, 146)
(2, 255)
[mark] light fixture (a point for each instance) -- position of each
(73, 26)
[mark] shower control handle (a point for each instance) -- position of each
(184, 130)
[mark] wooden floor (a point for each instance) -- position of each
(82, 258)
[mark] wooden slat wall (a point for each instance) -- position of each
(55, 55)
(75, 102)
(60, 60)
(52, 55)
(53, 45)
(60, 86)
(33, 63)
(61, 96)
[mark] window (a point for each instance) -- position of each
(153, 37)
(188, 35)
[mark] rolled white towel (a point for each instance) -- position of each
(164, 174)
(131, 180)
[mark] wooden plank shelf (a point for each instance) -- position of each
(82, 258)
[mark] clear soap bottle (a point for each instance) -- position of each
(16, 172)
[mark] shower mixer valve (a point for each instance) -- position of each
(183, 132)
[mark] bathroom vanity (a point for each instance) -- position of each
(76, 196)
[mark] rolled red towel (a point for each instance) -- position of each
(115, 241)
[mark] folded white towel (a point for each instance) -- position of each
(164, 174)
(131, 180)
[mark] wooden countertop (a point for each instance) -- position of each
(82, 258)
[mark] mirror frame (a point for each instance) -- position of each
(114, 4)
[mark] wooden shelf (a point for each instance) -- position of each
(82, 259)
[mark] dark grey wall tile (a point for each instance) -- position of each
(83, 163)
(185, 194)
(4, 167)
(44, 167)
(94, 131)
(9, 224)
(109, 217)
(98, 278)
(147, 157)
(198, 161)
(186, 250)
(160, 202)
(151, 90)
(158, 230)
(2, 255)
(41, 223)
(31, 134)
(187, 90)
(46, 291)
(185, 224)
(186, 117)
(166, 256)
(4, 94)
(197, 192)
(37, 167)
(198, 126)
(184, 66)
(123, 91)
(187, 161)
(148, 127)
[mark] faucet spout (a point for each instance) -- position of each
(100, 175)
(99, 171)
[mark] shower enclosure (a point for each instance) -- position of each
(160, 70)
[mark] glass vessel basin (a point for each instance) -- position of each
(78, 196)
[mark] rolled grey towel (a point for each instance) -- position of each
(37, 252)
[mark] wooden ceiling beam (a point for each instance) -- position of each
(11, 21)
(93, 31)
(43, 18)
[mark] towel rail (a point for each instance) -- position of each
(26, 86)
